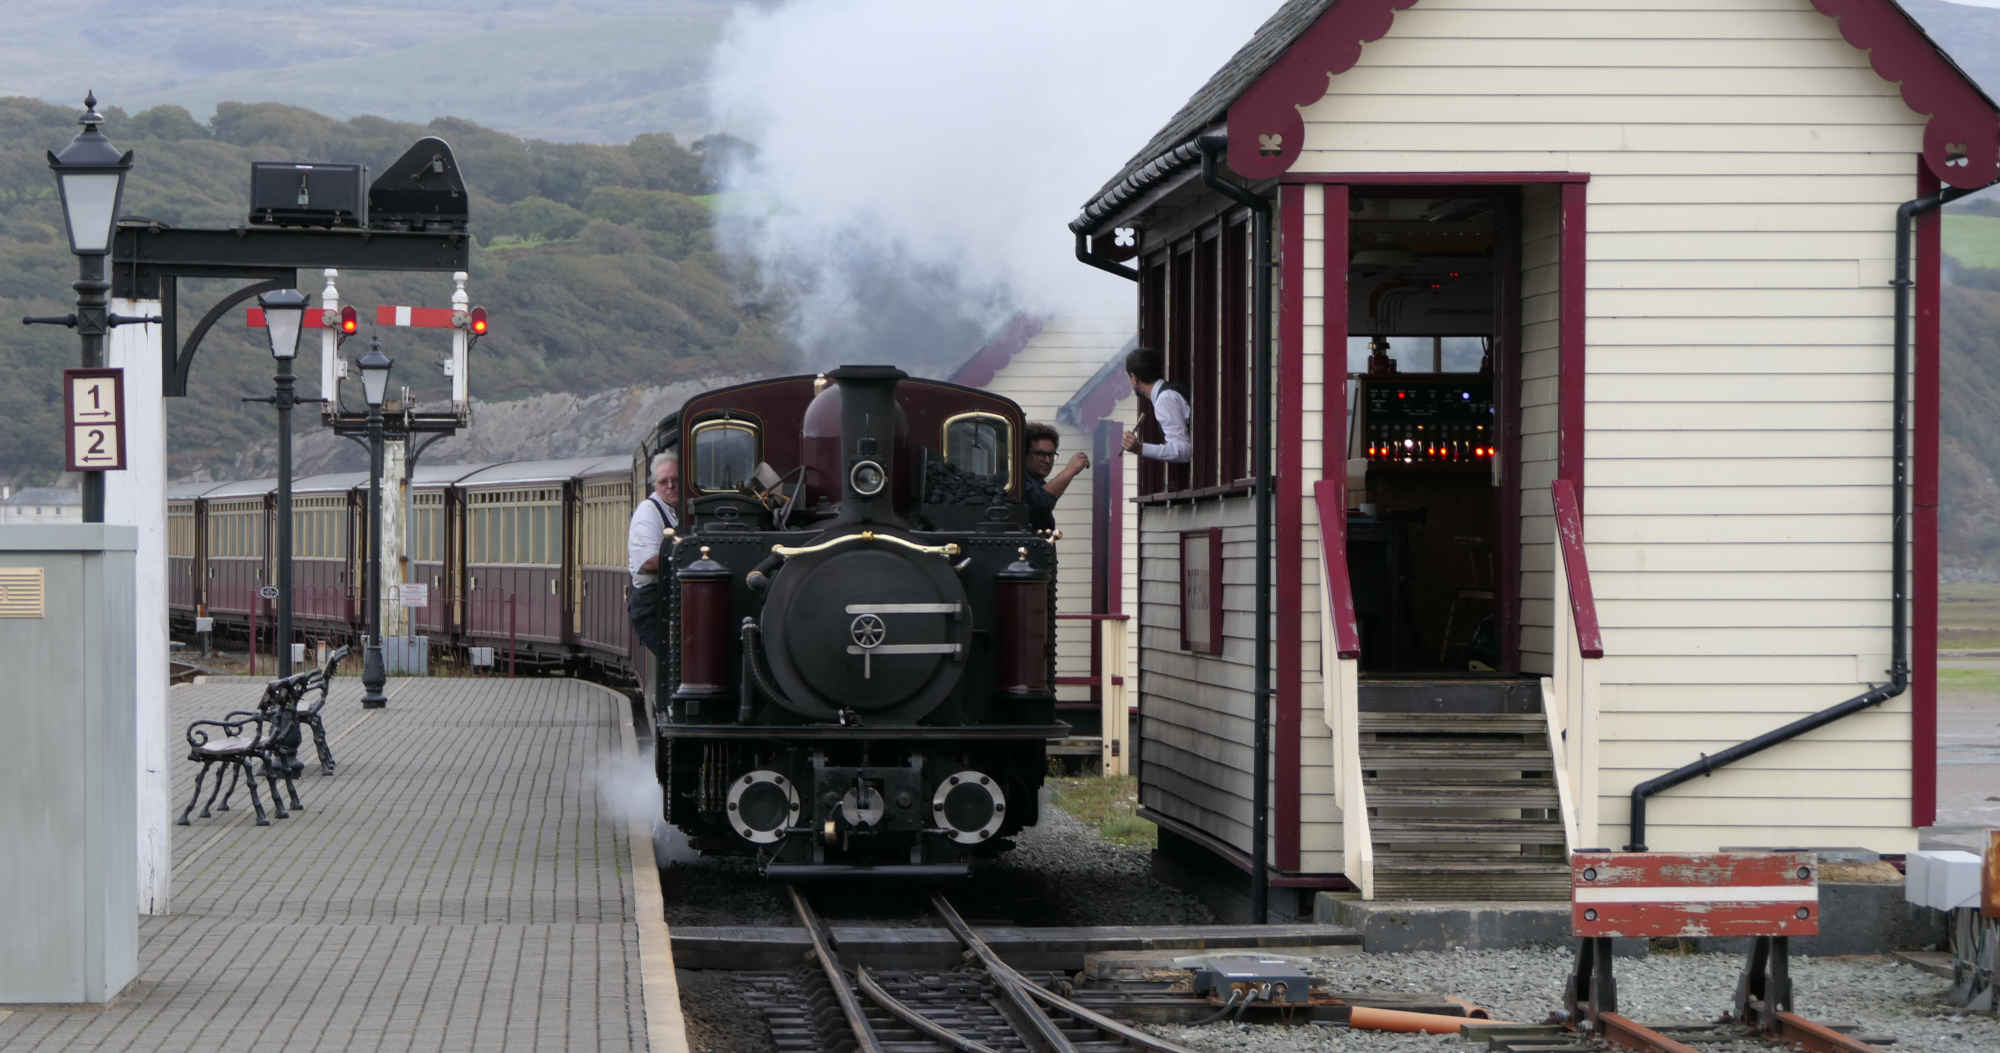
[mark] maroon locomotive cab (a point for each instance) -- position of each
(1021, 613)
(704, 626)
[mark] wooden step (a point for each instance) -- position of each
(1486, 879)
(1407, 754)
(1427, 830)
(1481, 795)
(1450, 694)
(1454, 723)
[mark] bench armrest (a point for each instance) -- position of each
(230, 727)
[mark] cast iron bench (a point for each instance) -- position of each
(270, 735)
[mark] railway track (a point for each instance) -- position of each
(987, 1006)
(1793, 1032)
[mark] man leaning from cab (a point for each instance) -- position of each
(643, 543)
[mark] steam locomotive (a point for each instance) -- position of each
(858, 666)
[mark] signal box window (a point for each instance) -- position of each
(978, 443)
(725, 454)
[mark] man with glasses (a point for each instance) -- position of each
(644, 537)
(1038, 489)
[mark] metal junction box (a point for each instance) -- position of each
(301, 194)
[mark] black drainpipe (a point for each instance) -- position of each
(1899, 660)
(1212, 147)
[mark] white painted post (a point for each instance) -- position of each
(329, 339)
(461, 387)
(395, 498)
(137, 497)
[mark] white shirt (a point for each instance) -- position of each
(643, 536)
(1172, 411)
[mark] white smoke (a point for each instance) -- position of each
(917, 157)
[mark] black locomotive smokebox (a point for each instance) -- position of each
(302, 194)
(867, 627)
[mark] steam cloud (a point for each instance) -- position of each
(917, 161)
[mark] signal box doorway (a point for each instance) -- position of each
(1432, 375)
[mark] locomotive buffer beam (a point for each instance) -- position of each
(835, 732)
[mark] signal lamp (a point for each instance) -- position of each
(477, 321)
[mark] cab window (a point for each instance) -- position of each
(725, 454)
(978, 443)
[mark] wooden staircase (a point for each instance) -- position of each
(1461, 789)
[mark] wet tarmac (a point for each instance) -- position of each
(1968, 761)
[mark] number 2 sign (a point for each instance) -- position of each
(94, 415)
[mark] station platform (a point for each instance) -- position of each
(465, 881)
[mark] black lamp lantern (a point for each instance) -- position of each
(375, 376)
(90, 177)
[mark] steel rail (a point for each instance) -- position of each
(829, 962)
(930, 1028)
(1027, 991)
(1630, 1034)
(1798, 1032)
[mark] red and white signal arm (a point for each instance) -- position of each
(94, 419)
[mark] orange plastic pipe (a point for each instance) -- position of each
(1426, 1023)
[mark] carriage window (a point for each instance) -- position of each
(725, 454)
(978, 443)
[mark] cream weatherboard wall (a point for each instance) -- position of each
(1745, 166)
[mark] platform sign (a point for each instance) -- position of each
(411, 595)
(94, 419)
(268, 592)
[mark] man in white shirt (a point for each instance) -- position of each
(1145, 367)
(646, 604)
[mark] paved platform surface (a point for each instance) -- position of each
(458, 885)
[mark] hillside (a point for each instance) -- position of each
(597, 264)
(544, 70)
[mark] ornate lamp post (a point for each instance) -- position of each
(375, 382)
(90, 177)
(284, 316)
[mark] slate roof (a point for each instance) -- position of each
(46, 495)
(1211, 101)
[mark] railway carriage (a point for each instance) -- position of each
(328, 543)
(519, 560)
(437, 542)
(238, 522)
(606, 492)
(187, 541)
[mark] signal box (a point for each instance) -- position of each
(298, 194)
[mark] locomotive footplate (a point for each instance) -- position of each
(862, 732)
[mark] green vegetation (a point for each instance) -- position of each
(1971, 681)
(1972, 239)
(1109, 804)
(597, 264)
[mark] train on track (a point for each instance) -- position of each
(857, 667)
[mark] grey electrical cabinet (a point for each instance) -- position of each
(69, 836)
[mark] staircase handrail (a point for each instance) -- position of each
(1340, 692)
(1569, 695)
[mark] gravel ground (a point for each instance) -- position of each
(1061, 874)
(1884, 998)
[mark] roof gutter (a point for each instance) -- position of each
(1125, 191)
(1899, 660)
(1211, 149)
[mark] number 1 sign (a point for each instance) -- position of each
(94, 415)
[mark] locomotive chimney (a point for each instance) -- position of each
(868, 414)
